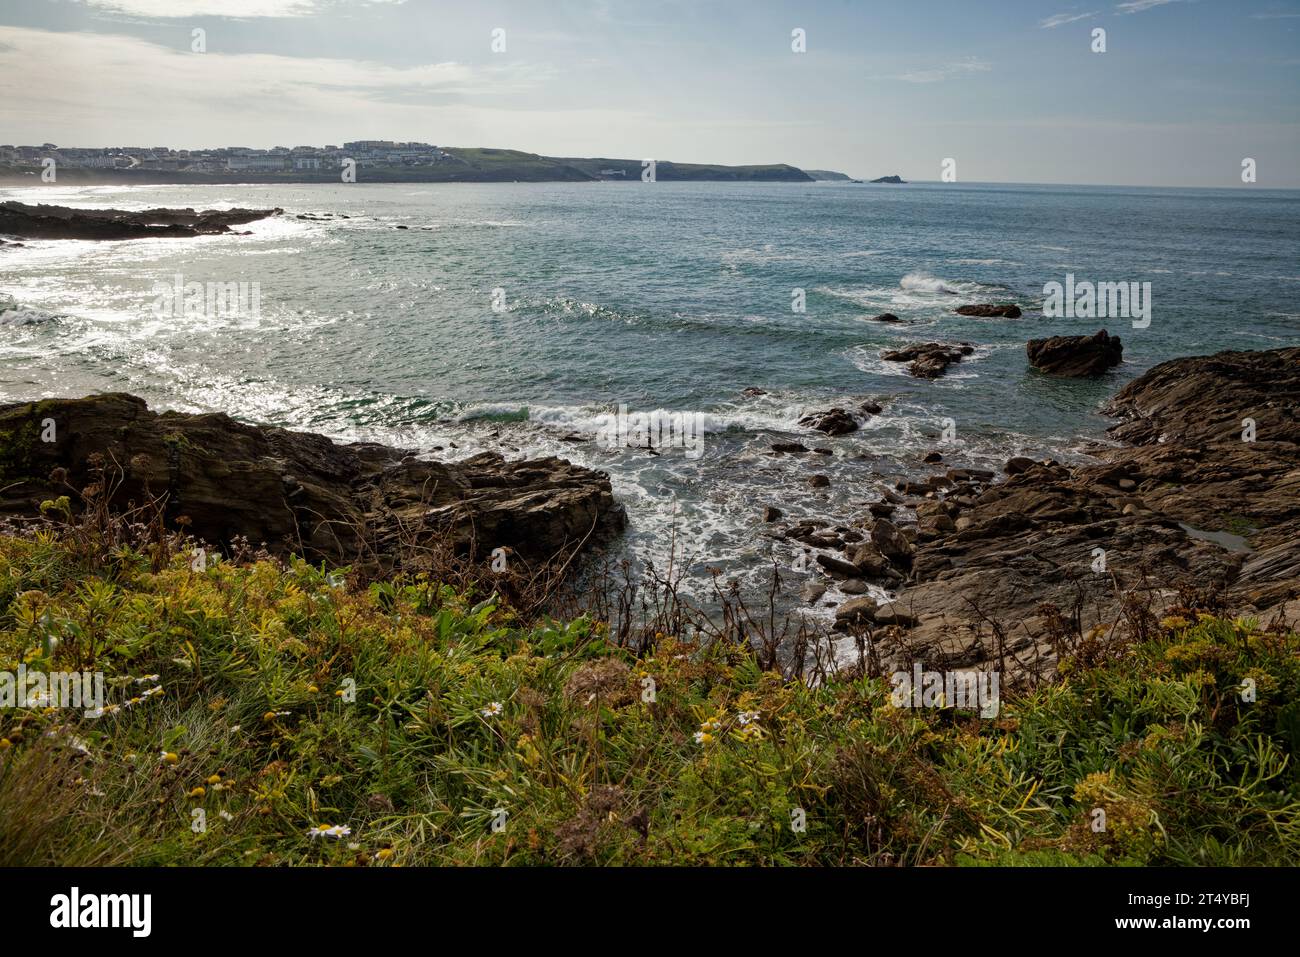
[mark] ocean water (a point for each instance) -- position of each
(672, 297)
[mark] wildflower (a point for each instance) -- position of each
(225, 815)
(5, 743)
(492, 710)
(132, 703)
(147, 679)
(168, 757)
(235, 729)
(703, 737)
(78, 745)
(383, 854)
(312, 689)
(197, 792)
(747, 717)
(214, 779)
(272, 715)
(335, 831)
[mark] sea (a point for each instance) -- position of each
(520, 318)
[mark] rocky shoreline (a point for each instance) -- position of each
(1200, 493)
(296, 492)
(1203, 495)
(27, 221)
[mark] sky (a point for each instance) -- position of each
(1012, 90)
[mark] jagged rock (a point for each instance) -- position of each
(1186, 503)
(772, 514)
(868, 560)
(886, 317)
(819, 481)
(1075, 355)
(990, 311)
(837, 567)
(812, 592)
(832, 422)
(295, 491)
(928, 360)
(1017, 464)
(64, 222)
(793, 448)
(892, 544)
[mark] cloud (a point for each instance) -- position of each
(236, 9)
(80, 89)
(1274, 16)
(940, 73)
(1060, 19)
(1137, 6)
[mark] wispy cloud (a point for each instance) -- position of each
(1060, 19)
(1274, 16)
(940, 73)
(236, 9)
(1137, 6)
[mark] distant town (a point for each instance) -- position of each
(375, 161)
(226, 159)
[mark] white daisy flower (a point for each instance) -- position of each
(492, 710)
(335, 831)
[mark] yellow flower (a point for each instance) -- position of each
(168, 757)
(198, 792)
(214, 779)
(312, 689)
(384, 854)
(5, 743)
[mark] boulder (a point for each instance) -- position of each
(1075, 355)
(928, 360)
(831, 421)
(892, 543)
(990, 311)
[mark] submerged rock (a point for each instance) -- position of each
(929, 360)
(832, 422)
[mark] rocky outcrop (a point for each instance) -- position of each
(831, 421)
(1075, 356)
(1204, 496)
(990, 311)
(63, 222)
(929, 360)
(297, 492)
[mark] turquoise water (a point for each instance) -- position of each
(660, 297)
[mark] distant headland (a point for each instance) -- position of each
(375, 161)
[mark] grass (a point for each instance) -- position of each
(442, 730)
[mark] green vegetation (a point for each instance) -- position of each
(667, 171)
(408, 713)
